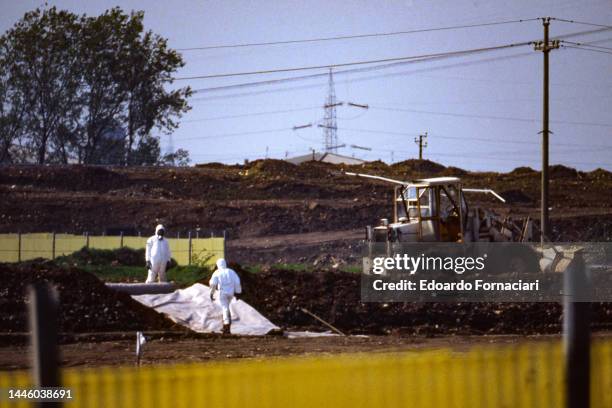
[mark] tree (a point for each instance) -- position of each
(42, 69)
(179, 158)
(69, 85)
(149, 105)
(11, 111)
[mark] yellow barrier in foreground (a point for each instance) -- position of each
(15, 247)
(529, 375)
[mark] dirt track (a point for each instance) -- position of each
(168, 351)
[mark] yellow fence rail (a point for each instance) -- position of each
(529, 375)
(23, 247)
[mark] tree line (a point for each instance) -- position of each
(91, 90)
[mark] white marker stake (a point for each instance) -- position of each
(140, 341)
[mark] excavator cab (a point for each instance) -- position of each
(427, 210)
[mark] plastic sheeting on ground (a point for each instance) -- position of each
(192, 307)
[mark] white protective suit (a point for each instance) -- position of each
(227, 282)
(158, 253)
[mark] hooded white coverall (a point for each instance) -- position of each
(227, 282)
(158, 253)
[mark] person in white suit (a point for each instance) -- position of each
(157, 256)
(227, 282)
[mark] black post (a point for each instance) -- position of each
(190, 247)
(121, 243)
(576, 333)
(19, 247)
(43, 325)
(53, 247)
(224, 244)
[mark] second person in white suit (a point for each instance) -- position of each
(227, 283)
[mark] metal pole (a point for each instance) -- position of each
(576, 333)
(87, 239)
(545, 46)
(43, 325)
(121, 242)
(190, 247)
(420, 147)
(545, 131)
(19, 247)
(224, 243)
(53, 247)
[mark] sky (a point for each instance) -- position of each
(481, 111)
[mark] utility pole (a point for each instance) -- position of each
(545, 46)
(422, 142)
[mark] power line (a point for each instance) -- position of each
(401, 61)
(464, 115)
(347, 64)
(362, 69)
(225, 135)
(369, 78)
(586, 49)
(581, 22)
(479, 139)
(350, 37)
(586, 45)
(355, 70)
(252, 114)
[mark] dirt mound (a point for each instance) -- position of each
(516, 197)
(453, 172)
(374, 167)
(211, 165)
(71, 178)
(271, 168)
(316, 170)
(562, 172)
(600, 174)
(86, 304)
(413, 166)
(335, 296)
(523, 171)
(77, 199)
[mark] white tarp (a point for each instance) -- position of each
(192, 307)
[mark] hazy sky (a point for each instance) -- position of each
(481, 111)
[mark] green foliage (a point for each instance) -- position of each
(201, 259)
(127, 265)
(87, 89)
(179, 158)
(107, 257)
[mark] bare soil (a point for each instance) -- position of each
(273, 212)
(160, 350)
(270, 198)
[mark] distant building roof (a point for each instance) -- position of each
(333, 158)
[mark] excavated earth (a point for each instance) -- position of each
(335, 296)
(275, 212)
(85, 303)
(272, 197)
